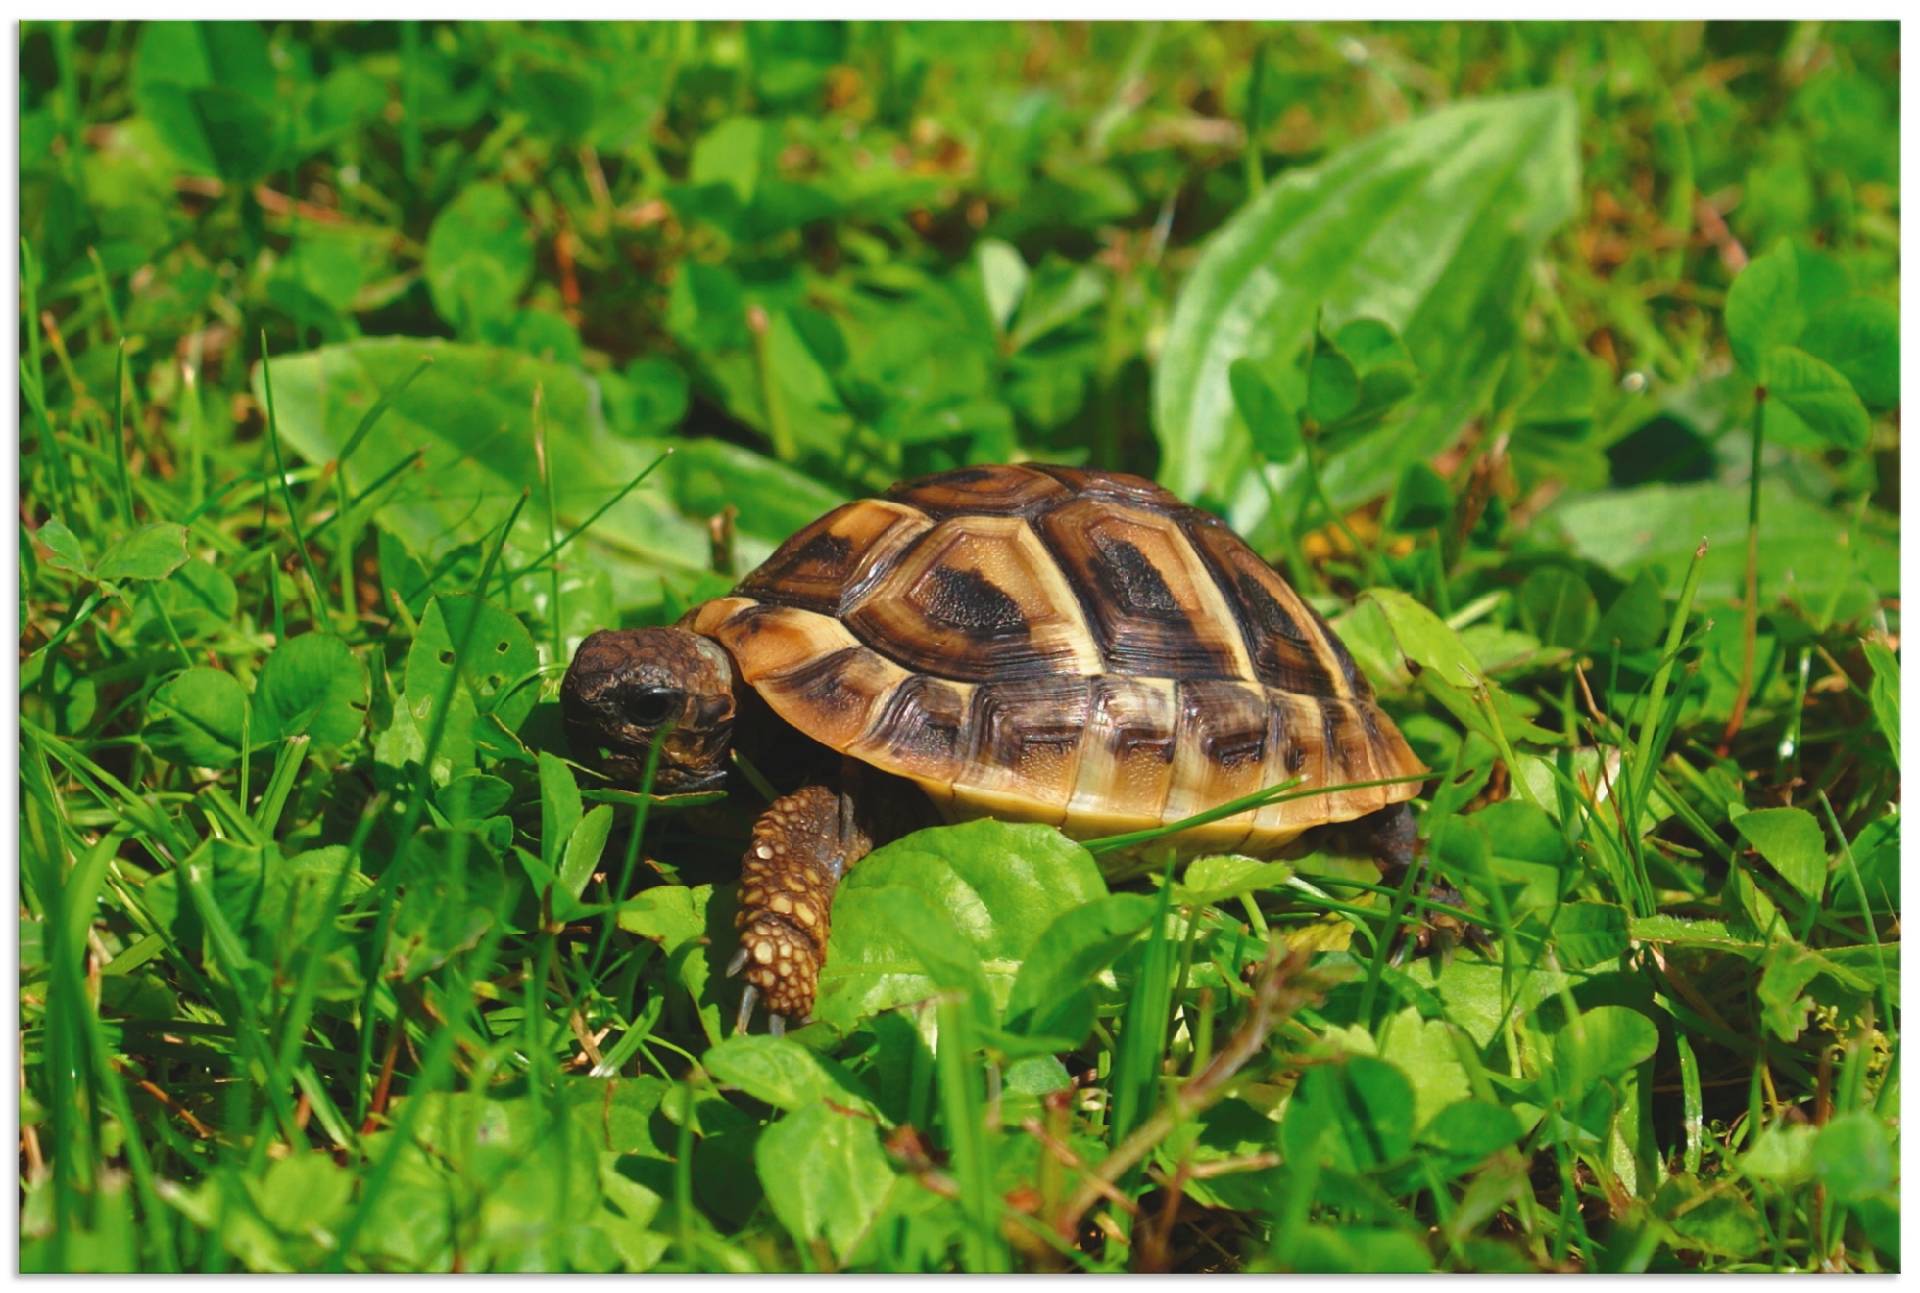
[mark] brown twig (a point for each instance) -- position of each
(167, 1102)
(378, 1105)
(1278, 991)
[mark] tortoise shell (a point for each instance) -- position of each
(1075, 647)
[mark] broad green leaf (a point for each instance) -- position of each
(1558, 607)
(1424, 1050)
(1353, 1116)
(1764, 309)
(1792, 842)
(196, 718)
(303, 1192)
(199, 599)
(1883, 693)
(781, 1072)
(1659, 526)
(1818, 398)
(1637, 617)
(1274, 427)
(1782, 1154)
(1003, 277)
(1221, 876)
(479, 257)
(733, 153)
(1333, 386)
(559, 807)
(1586, 934)
(469, 418)
(1467, 1131)
(1400, 227)
(986, 892)
(150, 552)
(683, 922)
(1784, 1004)
(1709, 1219)
(312, 685)
(584, 846)
(1321, 1248)
(453, 891)
(1426, 640)
(1421, 500)
(209, 88)
(1860, 336)
(1387, 372)
(496, 674)
(1050, 998)
(1600, 1044)
(63, 547)
(825, 1175)
(1853, 1156)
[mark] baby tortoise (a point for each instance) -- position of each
(1032, 643)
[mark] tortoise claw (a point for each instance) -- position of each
(777, 1025)
(748, 997)
(737, 964)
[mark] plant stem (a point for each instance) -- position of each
(1751, 625)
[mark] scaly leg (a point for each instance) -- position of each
(802, 845)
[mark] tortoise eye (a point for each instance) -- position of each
(653, 706)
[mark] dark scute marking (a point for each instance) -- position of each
(824, 549)
(959, 476)
(1118, 485)
(1267, 611)
(1293, 667)
(968, 601)
(1016, 719)
(1230, 749)
(1133, 579)
(746, 623)
(1139, 624)
(1333, 723)
(1356, 681)
(992, 490)
(1231, 728)
(823, 682)
(1134, 734)
(1296, 758)
(922, 721)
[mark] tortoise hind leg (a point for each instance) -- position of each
(1395, 845)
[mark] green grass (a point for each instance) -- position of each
(366, 369)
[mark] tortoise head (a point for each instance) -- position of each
(626, 685)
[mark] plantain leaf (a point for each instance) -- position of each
(1426, 227)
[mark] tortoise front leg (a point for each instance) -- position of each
(802, 845)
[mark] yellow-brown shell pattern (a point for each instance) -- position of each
(1062, 645)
